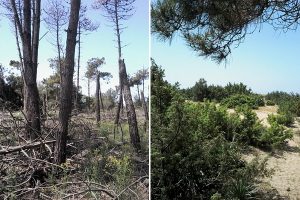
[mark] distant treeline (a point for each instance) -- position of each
(235, 95)
(232, 95)
(201, 91)
(287, 102)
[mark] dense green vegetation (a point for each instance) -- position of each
(197, 146)
(253, 101)
(288, 103)
(201, 91)
(232, 95)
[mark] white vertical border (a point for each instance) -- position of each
(149, 97)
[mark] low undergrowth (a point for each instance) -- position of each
(98, 166)
(196, 148)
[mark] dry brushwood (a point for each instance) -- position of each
(27, 171)
(6, 150)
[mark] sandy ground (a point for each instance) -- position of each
(263, 112)
(285, 163)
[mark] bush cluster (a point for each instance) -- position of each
(270, 103)
(196, 147)
(201, 90)
(288, 103)
(234, 101)
(285, 119)
(274, 136)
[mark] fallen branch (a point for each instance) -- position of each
(25, 146)
(12, 149)
(133, 183)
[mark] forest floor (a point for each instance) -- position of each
(284, 182)
(100, 164)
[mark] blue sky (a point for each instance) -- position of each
(267, 60)
(97, 44)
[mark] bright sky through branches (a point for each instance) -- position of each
(267, 60)
(101, 43)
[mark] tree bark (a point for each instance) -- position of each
(30, 44)
(45, 105)
(101, 99)
(67, 84)
(132, 122)
(144, 106)
(97, 98)
(89, 96)
(120, 103)
(139, 96)
(78, 66)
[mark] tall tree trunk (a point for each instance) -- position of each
(139, 96)
(97, 98)
(143, 83)
(120, 102)
(58, 48)
(78, 66)
(101, 99)
(30, 43)
(132, 122)
(44, 106)
(144, 106)
(67, 85)
(21, 59)
(89, 96)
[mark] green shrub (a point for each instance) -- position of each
(195, 147)
(270, 103)
(286, 102)
(275, 135)
(249, 127)
(242, 189)
(283, 119)
(253, 101)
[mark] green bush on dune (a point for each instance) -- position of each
(275, 136)
(196, 147)
(253, 101)
(285, 119)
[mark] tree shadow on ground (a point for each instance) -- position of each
(271, 194)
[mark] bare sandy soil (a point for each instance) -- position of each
(285, 163)
(263, 112)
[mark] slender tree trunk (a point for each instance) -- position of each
(132, 122)
(67, 84)
(30, 44)
(89, 96)
(143, 83)
(120, 102)
(97, 98)
(139, 96)
(119, 106)
(44, 106)
(21, 60)
(144, 106)
(78, 66)
(46, 102)
(58, 49)
(101, 99)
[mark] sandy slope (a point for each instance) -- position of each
(285, 180)
(286, 177)
(263, 112)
